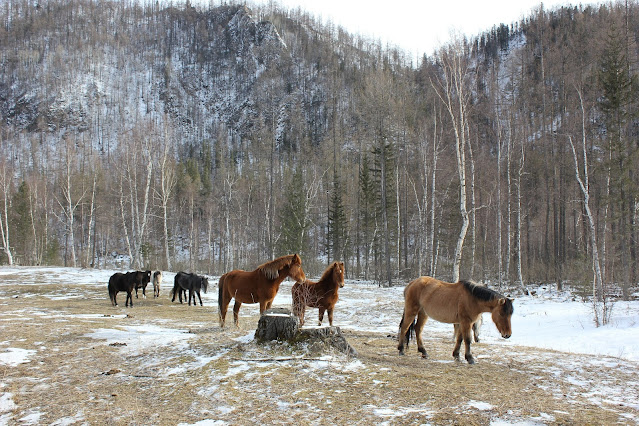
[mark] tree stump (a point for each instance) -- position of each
(328, 337)
(277, 324)
(281, 324)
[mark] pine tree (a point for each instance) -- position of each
(337, 234)
(366, 211)
(293, 217)
(619, 88)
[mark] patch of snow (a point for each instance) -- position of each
(6, 402)
(139, 338)
(15, 356)
(481, 406)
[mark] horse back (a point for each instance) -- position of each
(440, 300)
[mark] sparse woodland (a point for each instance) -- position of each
(163, 136)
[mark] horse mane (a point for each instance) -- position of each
(327, 273)
(481, 292)
(271, 270)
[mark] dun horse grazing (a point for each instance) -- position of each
(157, 280)
(459, 303)
(193, 283)
(321, 294)
(126, 282)
(258, 286)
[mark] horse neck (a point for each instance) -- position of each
(487, 305)
(328, 284)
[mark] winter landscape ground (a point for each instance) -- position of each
(68, 357)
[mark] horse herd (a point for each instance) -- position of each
(461, 303)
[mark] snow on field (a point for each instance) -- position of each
(548, 320)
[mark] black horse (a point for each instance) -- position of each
(191, 282)
(127, 282)
(142, 284)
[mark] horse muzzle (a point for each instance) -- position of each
(505, 336)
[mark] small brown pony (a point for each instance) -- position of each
(459, 303)
(258, 286)
(321, 294)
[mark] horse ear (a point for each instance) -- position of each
(502, 301)
(297, 258)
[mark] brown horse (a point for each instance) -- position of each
(459, 303)
(321, 294)
(258, 286)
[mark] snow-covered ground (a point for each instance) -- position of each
(548, 320)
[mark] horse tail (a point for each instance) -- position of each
(220, 293)
(409, 332)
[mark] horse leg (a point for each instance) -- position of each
(321, 315)
(465, 335)
(330, 316)
(223, 305)
(236, 313)
(300, 313)
(129, 298)
(419, 327)
(199, 297)
(191, 296)
(476, 326)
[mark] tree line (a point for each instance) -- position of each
(212, 138)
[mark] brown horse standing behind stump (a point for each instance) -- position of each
(321, 294)
(258, 286)
(459, 303)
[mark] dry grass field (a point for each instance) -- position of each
(86, 362)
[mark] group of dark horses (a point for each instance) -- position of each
(129, 281)
(461, 303)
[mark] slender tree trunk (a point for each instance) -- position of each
(4, 223)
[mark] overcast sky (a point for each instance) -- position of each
(420, 26)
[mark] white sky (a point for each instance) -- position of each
(420, 26)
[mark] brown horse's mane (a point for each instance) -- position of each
(327, 273)
(484, 293)
(271, 270)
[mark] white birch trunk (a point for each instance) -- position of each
(4, 223)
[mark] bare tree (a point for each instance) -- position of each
(5, 184)
(451, 89)
(168, 180)
(601, 307)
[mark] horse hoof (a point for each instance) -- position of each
(470, 360)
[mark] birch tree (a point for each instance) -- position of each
(601, 308)
(5, 184)
(451, 89)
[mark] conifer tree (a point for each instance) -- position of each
(293, 217)
(337, 224)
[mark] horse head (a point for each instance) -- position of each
(295, 269)
(338, 273)
(501, 315)
(204, 283)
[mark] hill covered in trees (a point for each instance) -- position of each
(211, 138)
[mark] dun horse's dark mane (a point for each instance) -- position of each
(481, 292)
(271, 270)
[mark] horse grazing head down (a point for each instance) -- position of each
(501, 315)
